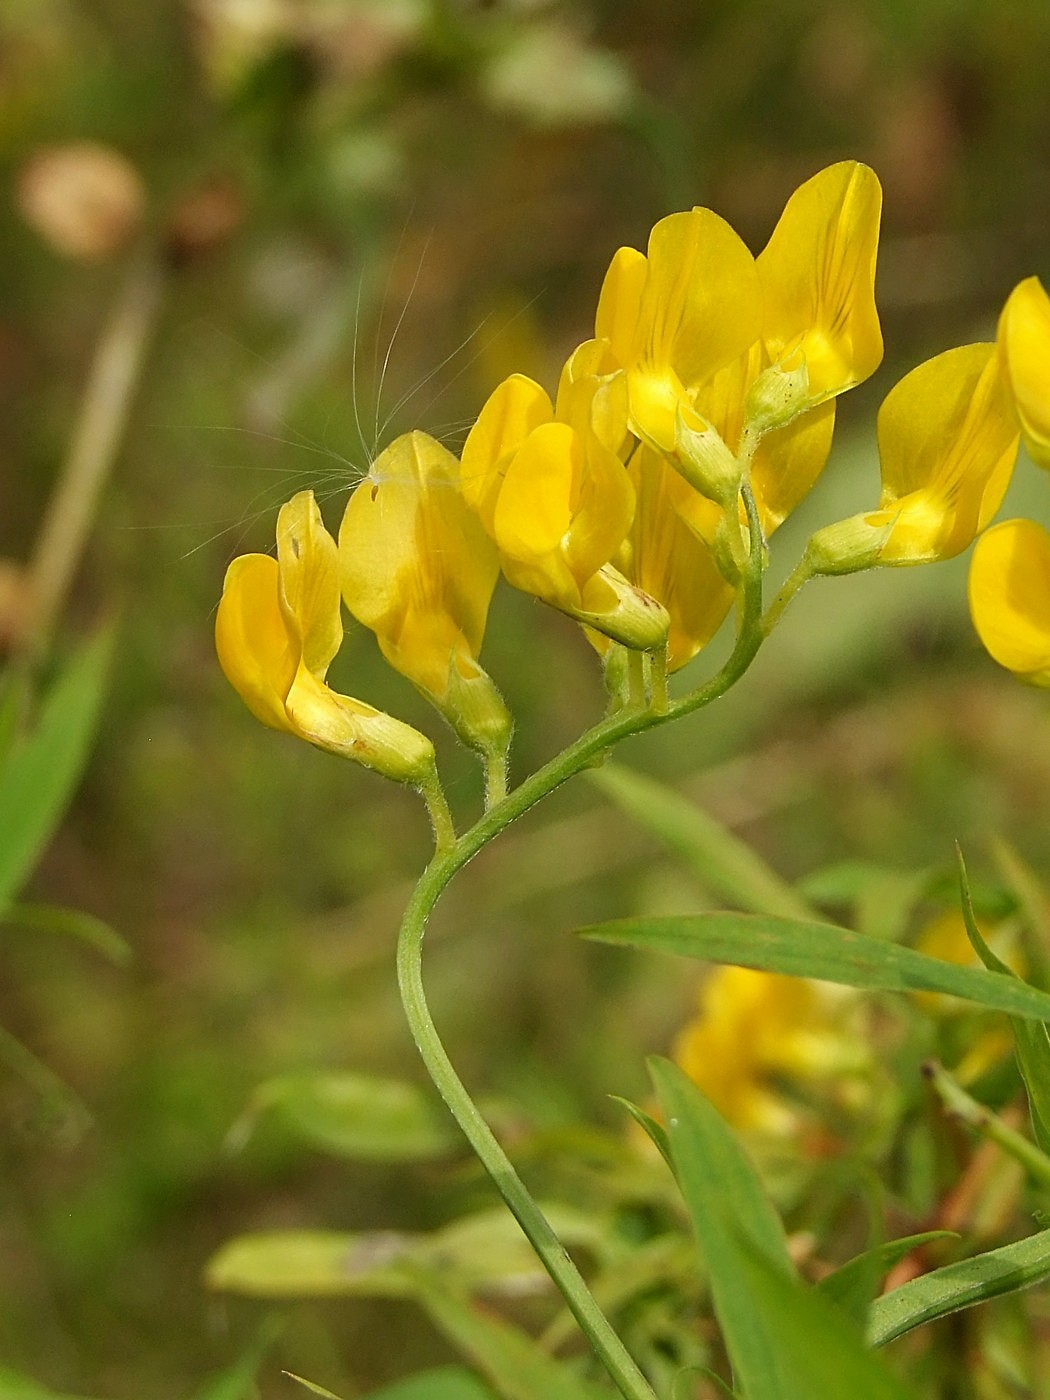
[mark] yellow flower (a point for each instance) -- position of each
(754, 1030)
(558, 503)
(817, 274)
(1024, 341)
(1009, 591)
(948, 438)
(277, 631)
(674, 317)
(666, 559)
(418, 569)
(945, 937)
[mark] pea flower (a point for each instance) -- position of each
(756, 1032)
(557, 502)
(948, 438)
(719, 348)
(668, 560)
(1009, 590)
(817, 275)
(417, 568)
(674, 316)
(277, 631)
(1024, 343)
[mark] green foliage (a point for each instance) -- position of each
(784, 1342)
(41, 770)
(961, 1285)
(725, 864)
(357, 1116)
(822, 951)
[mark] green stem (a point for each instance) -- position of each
(961, 1105)
(585, 752)
(495, 777)
(802, 573)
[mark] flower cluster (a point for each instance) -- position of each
(638, 499)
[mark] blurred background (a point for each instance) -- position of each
(299, 227)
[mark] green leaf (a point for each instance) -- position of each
(15, 1386)
(822, 951)
(852, 1287)
(881, 898)
(724, 864)
(516, 1365)
(656, 1131)
(311, 1264)
(819, 1353)
(41, 772)
(785, 1342)
(315, 1389)
(71, 923)
(1031, 1039)
(714, 1172)
(445, 1383)
(352, 1115)
(685, 1383)
(958, 1286)
(237, 1382)
(482, 1251)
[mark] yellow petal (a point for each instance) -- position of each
(620, 304)
(592, 395)
(947, 443)
(818, 278)
(309, 582)
(535, 506)
(788, 462)
(701, 303)
(511, 412)
(699, 312)
(665, 558)
(351, 729)
(256, 654)
(1010, 597)
(413, 554)
(1024, 340)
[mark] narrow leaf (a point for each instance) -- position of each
(516, 1365)
(656, 1131)
(785, 1342)
(359, 1116)
(1031, 1038)
(961, 1285)
(237, 1382)
(818, 1351)
(723, 863)
(71, 923)
(852, 1287)
(823, 951)
(41, 772)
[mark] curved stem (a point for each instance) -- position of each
(534, 1223)
(589, 749)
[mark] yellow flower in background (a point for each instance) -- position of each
(277, 630)
(1009, 590)
(1024, 342)
(948, 439)
(817, 275)
(418, 569)
(945, 937)
(558, 503)
(754, 1032)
